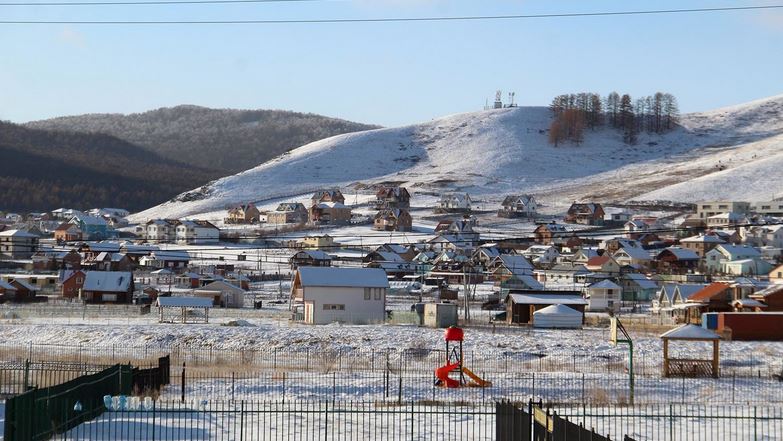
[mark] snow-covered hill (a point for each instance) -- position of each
(730, 152)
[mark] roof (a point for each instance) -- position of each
(709, 291)
(7, 286)
(598, 260)
(16, 233)
(686, 290)
(547, 299)
(690, 332)
(681, 253)
(702, 238)
(558, 309)
(107, 281)
(170, 255)
(738, 250)
(162, 271)
(641, 280)
(770, 290)
(749, 303)
(514, 262)
(343, 277)
(635, 253)
(605, 284)
(185, 302)
(314, 254)
(219, 286)
(88, 219)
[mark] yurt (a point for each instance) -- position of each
(557, 316)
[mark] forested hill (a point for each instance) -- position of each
(225, 140)
(43, 170)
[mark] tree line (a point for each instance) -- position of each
(575, 112)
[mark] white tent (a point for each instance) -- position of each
(557, 316)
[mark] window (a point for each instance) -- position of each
(765, 207)
(723, 207)
(378, 293)
(367, 293)
(79, 280)
(333, 307)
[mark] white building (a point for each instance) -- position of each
(161, 230)
(222, 294)
(17, 244)
(322, 295)
(197, 232)
(454, 202)
(604, 296)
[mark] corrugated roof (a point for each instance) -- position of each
(548, 299)
(558, 309)
(107, 281)
(605, 284)
(186, 302)
(709, 291)
(343, 277)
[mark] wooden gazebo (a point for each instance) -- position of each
(690, 367)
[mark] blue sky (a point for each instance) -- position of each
(384, 73)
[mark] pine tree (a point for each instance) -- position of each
(627, 120)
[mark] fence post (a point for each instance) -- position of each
(26, 374)
(232, 385)
(671, 422)
(755, 420)
(182, 391)
(241, 420)
(399, 391)
(682, 400)
(534, 386)
(733, 385)
(583, 387)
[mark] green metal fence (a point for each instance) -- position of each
(40, 413)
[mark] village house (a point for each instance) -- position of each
(518, 206)
(161, 230)
(484, 255)
(604, 296)
(7, 291)
(20, 290)
(92, 227)
(71, 284)
(198, 232)
(603, 264)
(334, 196)
(638, 288)
(388, 198)
(107, 287)
(771, 297)
(243, 214)
(346, 295)
(288, 213)
(633, 255)
(776, 275)
(541, 255)
(223, 294)
(701, 244)
(17, 244)
(583, 254)
(563, 274)
(620, 217)
(319, 242)
(310, 258)
(726, 220)
(453, 203)
(106, 261)
(67, 232)
(171, 259)
(585, 214)
(545, 233)
(705, 210)
(764, 235)
(672, 295)
(393, 220)
(715, 297)
(407, 252)
(330, 213)
(736, 260)
(676, 260)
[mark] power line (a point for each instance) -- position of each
(375, 20)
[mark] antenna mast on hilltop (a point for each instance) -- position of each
(498, 102)
(511, 99)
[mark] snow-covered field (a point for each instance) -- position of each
(492, 153)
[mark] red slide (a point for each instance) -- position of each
(442, 373)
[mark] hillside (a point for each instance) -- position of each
(43, 170)
(225, 140)
(491, 153)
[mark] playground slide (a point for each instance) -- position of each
(442, 373)
(480, 382)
